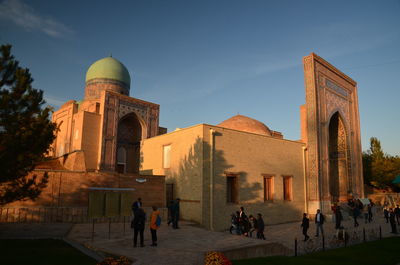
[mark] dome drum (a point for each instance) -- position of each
(95, 86)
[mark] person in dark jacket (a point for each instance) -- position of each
(175, 213)
(386, 214)
(356, 213)
(397, 213)
(338, 217)
(369, 210)
(392, 219)
(138, 224)
(136, 205)
(260, 227)
(305, 223)
(254, 225)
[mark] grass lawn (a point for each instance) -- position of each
(380, 252)
(41, 252)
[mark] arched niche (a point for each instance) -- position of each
(338, 147)
(130, 130)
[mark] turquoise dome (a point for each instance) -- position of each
(108, 68)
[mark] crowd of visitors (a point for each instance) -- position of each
(247, 226)
(241, 224)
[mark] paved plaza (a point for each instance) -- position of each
(187, 245)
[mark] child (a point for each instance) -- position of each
(154, 226)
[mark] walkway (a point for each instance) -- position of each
(187, 245)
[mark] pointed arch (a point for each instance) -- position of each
(129, 134)
(338, 146)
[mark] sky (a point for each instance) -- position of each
(206, 61)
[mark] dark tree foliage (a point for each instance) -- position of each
(25, 131)
(380, 169)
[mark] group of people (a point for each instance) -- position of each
(246, 226)
(139, 220)
(319, 222)
(357, 207)
(392, 216)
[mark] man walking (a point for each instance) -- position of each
(319, 222)
(305, 224)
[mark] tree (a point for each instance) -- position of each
(379, 168)
(25, 131)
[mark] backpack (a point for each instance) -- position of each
(158, 221)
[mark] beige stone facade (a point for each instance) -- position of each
(202, 157)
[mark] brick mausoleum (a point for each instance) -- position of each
(110, 150)
(95, 170)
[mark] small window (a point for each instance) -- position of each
(231, 189)
(166, 156)
(268, 188)
(287, 188)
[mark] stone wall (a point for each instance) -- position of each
(68, 192)
(249, 155)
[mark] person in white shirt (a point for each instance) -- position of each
(319, 221)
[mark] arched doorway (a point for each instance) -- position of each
(128, 144)
(338, 159)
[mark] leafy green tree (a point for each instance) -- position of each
(380, 169)
(25, 131)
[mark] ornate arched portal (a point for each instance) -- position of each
(338, 159)
(128, 144)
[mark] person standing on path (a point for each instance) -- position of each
(175, 213)
(356, 213)
(319, 222)
(392, 221)
(305, 223)
(155, 222)
(260, 227)
(136, 205)
(397, 213)
(338, 218)
(369, 209)
(138, 226)
(386, 214)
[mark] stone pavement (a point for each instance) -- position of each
(187, 245)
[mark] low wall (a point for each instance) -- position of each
(262, 250)
(62, 215)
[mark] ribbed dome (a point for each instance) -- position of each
(245, 124)
(109, 68)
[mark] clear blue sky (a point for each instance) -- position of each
(205, 61)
